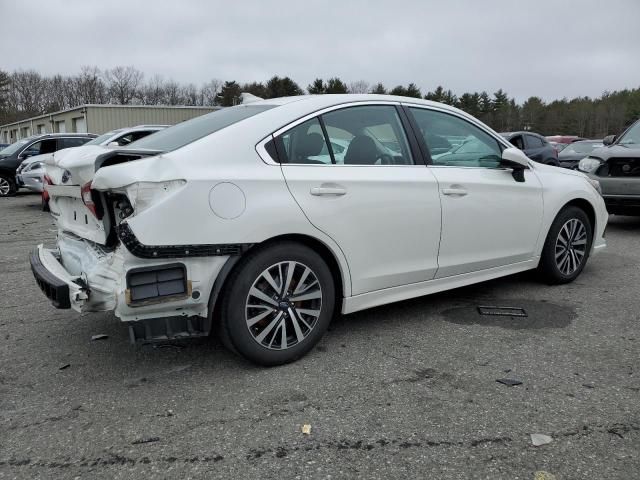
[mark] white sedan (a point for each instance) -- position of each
(246, 221)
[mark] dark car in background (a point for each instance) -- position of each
(535, 146)
(12, 156)
(571, 155)
(617, 167)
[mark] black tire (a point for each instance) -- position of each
(552, 268)
(6, 180)
(234, 329)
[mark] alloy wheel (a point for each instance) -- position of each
(571, 246)
(5, 186)
(283, 305)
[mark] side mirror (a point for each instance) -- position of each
(113, 144)
(516, 160)
(609, 139)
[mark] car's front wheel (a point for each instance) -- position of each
(7, 186)
(567, 246)
(277, 304)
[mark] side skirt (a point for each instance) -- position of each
(404, 292)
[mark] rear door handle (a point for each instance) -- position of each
(320, 191)
(454, 192)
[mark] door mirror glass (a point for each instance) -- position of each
(609, 139)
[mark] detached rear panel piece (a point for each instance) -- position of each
(157, 284)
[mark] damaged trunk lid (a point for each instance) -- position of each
(77, 207)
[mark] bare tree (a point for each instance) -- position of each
(89, 86)
(123, 83)
(189, 94)
(153, 92)
(28, 92)
(360, 86)
(210, 91)
(172, 93)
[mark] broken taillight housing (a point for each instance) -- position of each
(89, 200)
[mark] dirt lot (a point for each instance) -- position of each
(405, 390)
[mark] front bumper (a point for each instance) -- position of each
(623, 204)
(33, 182)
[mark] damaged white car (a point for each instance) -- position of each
(248, 222)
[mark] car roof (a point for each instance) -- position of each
(60, 135)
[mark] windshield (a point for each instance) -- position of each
(582, 148)
(103, 138)
(631, 137)
(191, 130)
(14, 147)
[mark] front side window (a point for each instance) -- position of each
(631, 136)
(40, 148)
(517, 142)
(453, 141)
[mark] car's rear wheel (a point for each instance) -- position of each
(278, 303)
(567, 246)
(7, 186)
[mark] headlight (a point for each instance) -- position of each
(33, 166)
(589, 164)
(595, 184)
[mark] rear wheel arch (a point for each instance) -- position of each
(313, 243)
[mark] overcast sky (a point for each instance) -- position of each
(546, 48)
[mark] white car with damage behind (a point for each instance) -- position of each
(237, 222)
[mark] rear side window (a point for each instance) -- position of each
(189, 131)
(534, 142)
(71, 142)
(304, 144)
(364, 135)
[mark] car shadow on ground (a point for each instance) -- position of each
(621, 222)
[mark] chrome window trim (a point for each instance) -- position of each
(266, 158)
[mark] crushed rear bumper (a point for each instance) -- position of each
(64, 290)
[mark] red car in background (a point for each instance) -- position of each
(559, 142)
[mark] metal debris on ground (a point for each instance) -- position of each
(306, 429)
(502, 311)
(542, 475)
(509, 382)
(538, 439)
(100, 336)
(145, 440)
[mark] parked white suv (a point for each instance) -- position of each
(237, 220)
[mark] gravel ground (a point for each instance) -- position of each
(404, 390)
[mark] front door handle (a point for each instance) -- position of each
(334, 190)
(454, 192)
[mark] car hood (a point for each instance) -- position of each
(569, 157)
(78, 162)
(617, 151)
(36, 158)
(556, 170)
